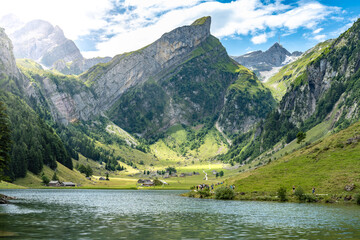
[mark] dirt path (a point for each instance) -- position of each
(206, 177)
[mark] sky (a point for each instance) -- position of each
(111, 27)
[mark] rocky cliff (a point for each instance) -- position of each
(10, 77)
(186, 81)
(329, 79)
(130, 69)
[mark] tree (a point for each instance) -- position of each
(55, 177)
(107, 176)
(5, 140)
(281, 193)
(300, 137)
(221, 173)
(89, 171)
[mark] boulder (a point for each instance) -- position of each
(349, 187)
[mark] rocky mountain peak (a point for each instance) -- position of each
(41, 41)
(265, 64)
(278, 49)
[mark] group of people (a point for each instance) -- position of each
(212, 186)
(203, 186)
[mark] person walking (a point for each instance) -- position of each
(313, 190)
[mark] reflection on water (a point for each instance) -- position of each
(126, 214)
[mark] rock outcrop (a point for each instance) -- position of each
(11, 77)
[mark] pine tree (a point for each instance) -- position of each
(5, 140)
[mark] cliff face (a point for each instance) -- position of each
(10, 77)
(130, 69)
(331, 78)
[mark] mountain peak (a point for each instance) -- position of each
(278, 48)
(202, 21)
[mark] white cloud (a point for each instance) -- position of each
(320, 38)
(76, 18)
(142, 22)
(316, 31)
(262, 38)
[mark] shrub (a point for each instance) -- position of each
(224, 193)
(299, 193)
(204, 193)
(192, 194)
(281, 193)
(357, 199)
(310, 198)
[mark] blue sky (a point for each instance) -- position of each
(110, 27)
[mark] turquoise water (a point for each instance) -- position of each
(129, 214)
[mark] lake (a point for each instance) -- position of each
(146, 214)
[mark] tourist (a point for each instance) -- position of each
(293, 189)
(313, 190)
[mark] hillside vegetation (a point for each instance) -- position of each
(328, 165)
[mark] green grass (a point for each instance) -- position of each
(168, 150)
(7, 185)
(28, 63)
(200, 21)
(64, 174)
(328, 165)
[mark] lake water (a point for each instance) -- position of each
(129, 214)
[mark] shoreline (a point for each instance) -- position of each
(262, 197)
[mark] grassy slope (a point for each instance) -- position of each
(168, 150)
(7, 185)
(279, 83)
(328, 165)
(63, 173)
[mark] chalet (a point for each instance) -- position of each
(68, 184)
(182, 174)
(196, 173)
(54, 184)
(166, 175)
(102, 178)
(214, 172)
(148, 183)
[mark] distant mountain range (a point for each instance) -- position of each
(265, 64)
(40, 41)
